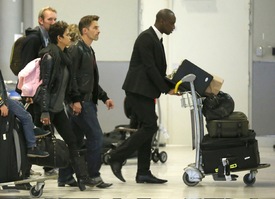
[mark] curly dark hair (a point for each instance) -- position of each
(57, 29)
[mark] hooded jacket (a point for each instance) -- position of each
(33, 43)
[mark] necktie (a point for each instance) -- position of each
(163, 49)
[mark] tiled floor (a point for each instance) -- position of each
(178, 158)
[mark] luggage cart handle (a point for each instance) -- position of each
(186, 78)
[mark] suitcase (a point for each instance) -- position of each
(13, 151)
(242, 153)
(235, 125)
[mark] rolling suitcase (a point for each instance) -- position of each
(13, 155)
(242, 153)
(235, 125)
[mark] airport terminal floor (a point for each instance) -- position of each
(172, 170)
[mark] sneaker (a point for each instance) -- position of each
(40, 133)
(34, 152)
(51, 172)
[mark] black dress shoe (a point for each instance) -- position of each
(104, 185)
(116, 169)
(149, 179)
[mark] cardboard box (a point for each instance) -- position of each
(215, 85)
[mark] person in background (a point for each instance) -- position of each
(36, 39)
(74, 32)
(84, 115)
(144, 82)
(58, 84)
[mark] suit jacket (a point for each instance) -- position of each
(147, 68)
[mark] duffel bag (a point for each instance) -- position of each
(235, 125)
(59, 153)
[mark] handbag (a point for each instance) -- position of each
(59, 156)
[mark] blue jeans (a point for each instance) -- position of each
(26, 120)
(87, 124)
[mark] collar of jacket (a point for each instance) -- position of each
(84, 45)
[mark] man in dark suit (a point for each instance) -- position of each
(143, 84)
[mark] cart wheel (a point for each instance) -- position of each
(155, 157)
(248, 180)
(163, 157)
(106, 158)
(185, 178)
(36, 193)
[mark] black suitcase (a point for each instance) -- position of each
(235, 125)
(242, 153)
(13, 154)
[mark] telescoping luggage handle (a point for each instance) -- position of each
(190, 78)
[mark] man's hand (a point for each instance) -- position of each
(172, 92)
(76, 108)
(110, 104)
(4, 110)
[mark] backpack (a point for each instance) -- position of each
(29, 78)
(217, 106)
(15, 58)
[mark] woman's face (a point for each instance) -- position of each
(65, 40)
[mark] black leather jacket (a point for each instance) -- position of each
(53, 59)
(85, 68)
(3, 92)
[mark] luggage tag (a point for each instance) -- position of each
(5, 134)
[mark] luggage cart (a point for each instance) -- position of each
(36, 190)
(194, 173)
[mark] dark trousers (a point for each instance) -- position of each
(87, 124)
(144, 110)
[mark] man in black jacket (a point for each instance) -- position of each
(145, 82)
(84, 115)
(38, 37)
